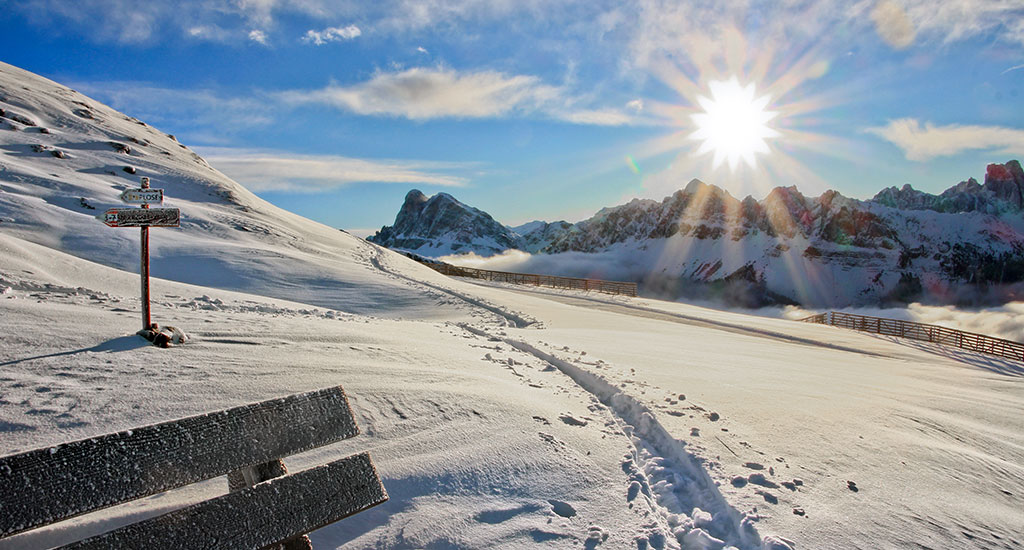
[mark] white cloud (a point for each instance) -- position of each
(922, 144)
(331, 34)
(421, 49)
(636, 105)
(424, 94)
(266, 170)
(594, 117)
(421, 94)
(258, 36)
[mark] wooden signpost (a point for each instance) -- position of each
(145, 218)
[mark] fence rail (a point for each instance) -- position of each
(611, 287)
(920, 331)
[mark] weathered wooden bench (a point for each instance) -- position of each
(264, 507)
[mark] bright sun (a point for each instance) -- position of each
(734, 124)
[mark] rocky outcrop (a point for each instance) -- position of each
(1003, 191)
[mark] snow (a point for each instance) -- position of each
(497, 416)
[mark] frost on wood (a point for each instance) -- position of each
(47, 485)
(261, 515)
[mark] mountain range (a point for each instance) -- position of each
(964, 245)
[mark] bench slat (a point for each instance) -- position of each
(258, 516)
(48, 485)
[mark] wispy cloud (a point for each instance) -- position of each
(331, 34)
(1014, 68)
(205, 110)
(893, 24)
(430, 93)
(694, 29)
(661, 24)
(421, 94)
(594, 117)
(928, 142)
(268, 170)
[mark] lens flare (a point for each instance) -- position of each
(633, 166)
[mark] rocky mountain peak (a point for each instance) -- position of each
(443, 223)
(1006, 182)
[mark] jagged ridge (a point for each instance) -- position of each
(901, 245)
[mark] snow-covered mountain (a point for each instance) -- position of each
(902, 245)
(442, 225)
(64, 158)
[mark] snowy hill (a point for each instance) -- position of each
(498, 417)
(66, 158)
(965, 245)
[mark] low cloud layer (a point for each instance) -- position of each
(565, 264)
(1005, 321)
(262, 171)
(925, 143)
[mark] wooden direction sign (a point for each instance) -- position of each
(141, 217)
(143, 196)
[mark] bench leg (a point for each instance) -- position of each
(247, 477)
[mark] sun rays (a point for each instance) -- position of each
(742, 113)
(734, 124)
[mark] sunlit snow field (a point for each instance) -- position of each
(498, 417)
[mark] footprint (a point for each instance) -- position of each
(633, 491)
(571, 420)
(563, 509)
(759, 479)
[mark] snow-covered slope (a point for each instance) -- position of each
(964, 245)
(64, 158)
(497, 417)
(611, 423)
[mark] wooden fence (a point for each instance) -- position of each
(611, 287)
(920, 331)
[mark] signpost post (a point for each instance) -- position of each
(144, 218)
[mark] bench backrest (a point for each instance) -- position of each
(48, 485)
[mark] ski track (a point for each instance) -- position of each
(693, 512)
(511, 318)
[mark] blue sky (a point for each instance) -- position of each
(534, 109)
